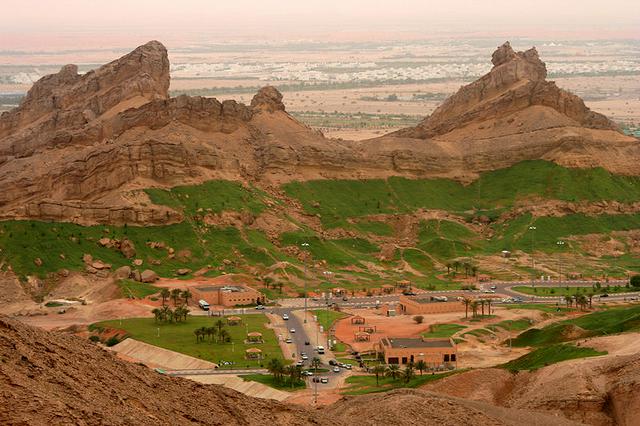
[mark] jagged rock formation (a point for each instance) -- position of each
(80, 148)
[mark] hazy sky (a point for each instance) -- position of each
(299, 18)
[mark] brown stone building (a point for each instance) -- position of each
(414, 305)
(435, 352)
(229, 295)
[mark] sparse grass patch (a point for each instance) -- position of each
(548, 355)
(443, 330)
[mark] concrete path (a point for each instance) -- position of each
(154, 356)
(254, 389)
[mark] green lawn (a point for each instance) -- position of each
(605, 322)
(179, 337)
(137, 290)
(326, 318)
(550, 355)
(569, 291)
(478, 332)
(269, 380)
(360, 385)
(443, 330)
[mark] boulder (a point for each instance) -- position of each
(99, 265)
(105, 242)
(138, 262)
(127, 248)
(37, 261)
(90, 269)
(136, 276)
(87, 258)
(183, 271)
(122, 272)
(148, 276)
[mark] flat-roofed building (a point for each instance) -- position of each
(415, 305)
(229, 295)
(434, 351)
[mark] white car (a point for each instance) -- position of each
(293, 330)
(304, 357)
(288, 340)
(285, 317)
(336, 369)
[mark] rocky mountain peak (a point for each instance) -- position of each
(268, 99)
(503, 54)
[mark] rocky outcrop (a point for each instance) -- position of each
(81, 147)
(516, 81)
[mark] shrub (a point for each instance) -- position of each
(111, 341)
(94, 338)
(418, 319)
(635, 281)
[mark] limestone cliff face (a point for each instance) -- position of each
(81, 147)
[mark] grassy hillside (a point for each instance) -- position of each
(352, 245)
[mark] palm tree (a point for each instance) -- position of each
(276, 368)
(474, 270)
(569, 300)
(211, 333)
(175, 295)
(448, 265)
(467, 303)
(177, 314)
(482, 302)
(421, 366)
(474, 308)
(165, 313)
(267, 281)
(186, 295)
(315, 363)
(408, 373)
(156, 313)
(393, 371)
(164, 293)
(590, 296)
(489, 306)
(225, 337)
(456, 265)
(220, 325)
(378, 370)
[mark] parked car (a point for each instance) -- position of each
(304, 357)
(306, 343)
(348, 366)
(285, 317)
(324, 380)
(204, 305)
(259, 307)
(300, 363)
(604, 295)
(307, 373)
(333, 362)
(289, 340)
(336, 369)
(493, 287)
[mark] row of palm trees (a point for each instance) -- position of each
(216, 333)
(176, 295)
(473, 304)
(166, 314)
(269, 282)
(281, 373)
(469, 269)
(581, 300)
(395, 372)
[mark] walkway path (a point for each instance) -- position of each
(154, 356)
(254, 389)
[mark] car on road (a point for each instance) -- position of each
(344, 298)
(307, 373)
(336, 369)
(306, 343)
(300, 363)
(493, 287)
(324, 380)
(304, 357)
(604, 295)
(409, 293)
(489, 291)
(348, 366)
(260, 307)
(289, 340)
(320, 350)
(285, 317)
(292, 330)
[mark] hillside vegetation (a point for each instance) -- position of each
(359, 220)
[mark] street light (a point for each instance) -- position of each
(305, 284)
(533, 264)
(560, 245)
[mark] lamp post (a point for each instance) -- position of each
(533, 263)
(560, 245)
(305, 245)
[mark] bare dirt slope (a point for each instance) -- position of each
(79, 146)
(598, 391)
(55, 378)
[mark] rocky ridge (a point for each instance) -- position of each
(81, 147)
